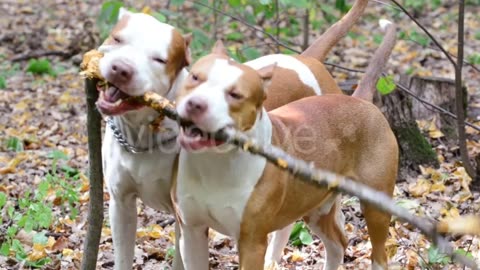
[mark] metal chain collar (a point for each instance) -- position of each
(118, 135)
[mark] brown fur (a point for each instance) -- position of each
(121, 24)
(353, 139)
(178, 56)
(323, 44)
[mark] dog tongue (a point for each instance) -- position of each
(113, 94)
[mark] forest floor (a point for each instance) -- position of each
(43, 145)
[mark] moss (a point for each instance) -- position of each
(414, 148)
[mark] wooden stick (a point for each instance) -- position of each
(95, 176)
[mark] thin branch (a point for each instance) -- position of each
(38, 54)
(277, 23)
(462, 137)
(279, 42)
(434, 40)
(95, 175)
(465, 62)
(386, 4)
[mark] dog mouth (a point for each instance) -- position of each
(113, 101)
(193, 138)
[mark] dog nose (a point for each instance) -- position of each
(196, 105)
(121, 71)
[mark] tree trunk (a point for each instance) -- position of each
(95, 174)
(438, 91)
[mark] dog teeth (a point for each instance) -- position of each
(118, 102)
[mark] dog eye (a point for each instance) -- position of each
(117, 40)
(194, 77)
(159, 60)
(235, 95)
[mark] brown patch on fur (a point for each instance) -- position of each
(177, 55)
(200, 71)
(249, 86)
(121, 24)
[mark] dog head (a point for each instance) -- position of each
(141, 54)
(218, 94)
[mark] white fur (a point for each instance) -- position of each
(384, 23)
(288, 62)
(277, 243)
(146, 176)
(213, 91)
(334, 252)
(376, 266)
(213, 189)
(143, 39)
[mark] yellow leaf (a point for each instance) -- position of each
(22, 105)
(147, 10)
(435, 134)
(297, 256)
(12, 164)
(391, 247)
(156, 232)
(437, 187)
(38, 252)
(67, 252)
(51, 241)
(421, 187)
(450, 213)
(106, 232)
(412, 259)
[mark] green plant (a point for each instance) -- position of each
(170, 254)
(7, 70)
(419, 5)
(436, 260)
(33, 212)
(65, 182)
(300, 235)
(108, 17)
(14, 144)
(40, 67)
(386, 85)
(474, 59)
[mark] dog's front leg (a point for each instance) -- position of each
(123, 220)
(177, 260)
(277, 244)
(194, 247)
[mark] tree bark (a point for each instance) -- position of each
(95, 209)
(414, 148)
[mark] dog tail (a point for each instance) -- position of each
(366, 87)
(324, 43)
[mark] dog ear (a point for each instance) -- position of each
(266, 73)
(188, 54)
(219, 48)
(122, 12)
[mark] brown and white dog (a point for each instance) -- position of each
(243, 196)
(142, 54)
